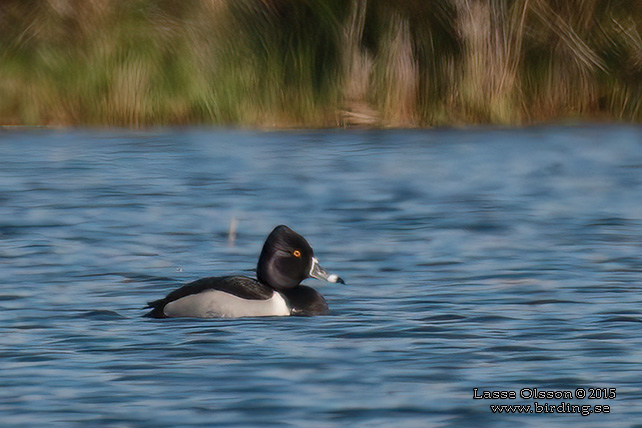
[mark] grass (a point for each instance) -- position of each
(318, 62)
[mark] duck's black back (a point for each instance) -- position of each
(239, 286)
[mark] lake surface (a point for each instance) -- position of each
(492, 259)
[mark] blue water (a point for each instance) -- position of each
(489, 259)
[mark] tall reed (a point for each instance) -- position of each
(319, 62)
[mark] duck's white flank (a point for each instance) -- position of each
(216, 304)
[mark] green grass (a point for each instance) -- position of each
(319, 62)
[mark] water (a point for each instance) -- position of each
(489, 259)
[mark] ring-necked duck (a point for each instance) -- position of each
(285, 261)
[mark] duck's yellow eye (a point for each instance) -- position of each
(296, 253)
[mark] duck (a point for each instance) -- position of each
(285, 261)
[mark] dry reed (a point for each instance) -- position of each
(319, 62)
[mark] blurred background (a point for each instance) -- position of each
(318, 62)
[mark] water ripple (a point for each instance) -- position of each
(488, 258)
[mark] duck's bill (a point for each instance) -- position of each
(316, 271)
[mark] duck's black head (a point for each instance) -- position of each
(287, 259)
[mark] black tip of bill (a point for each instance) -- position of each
(335, 279)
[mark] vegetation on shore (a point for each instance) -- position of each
(318, 62)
